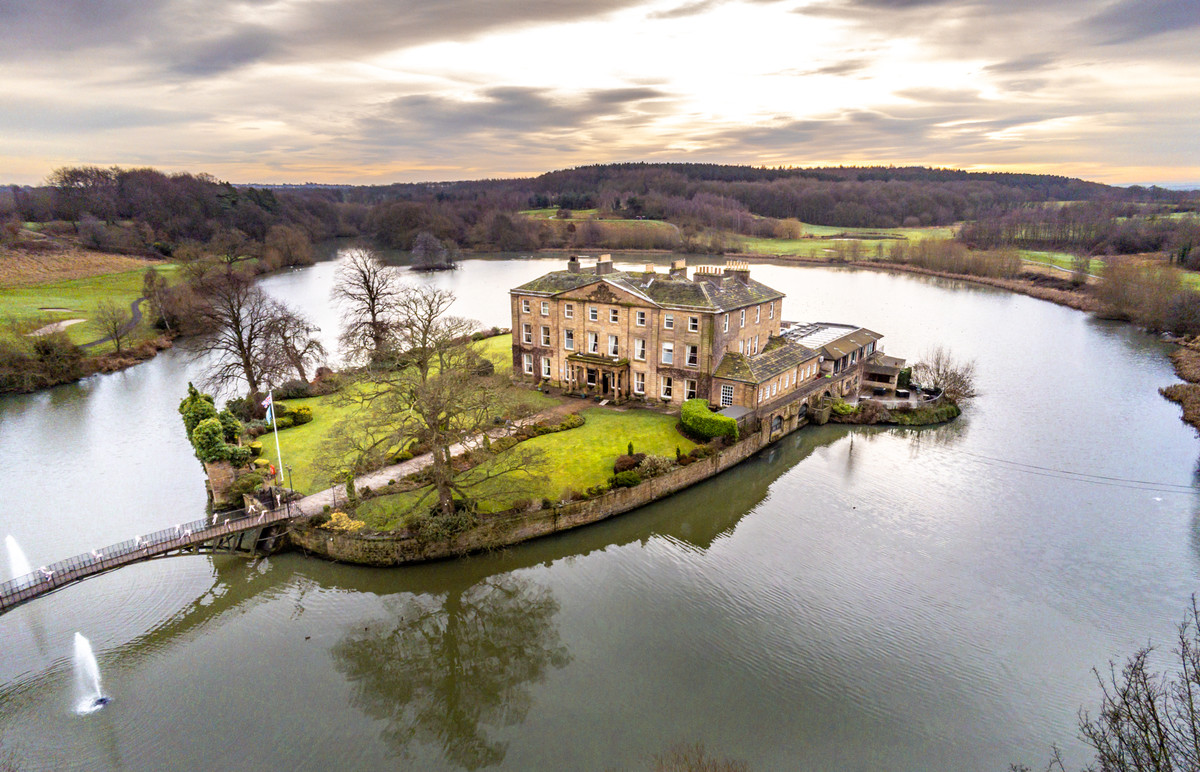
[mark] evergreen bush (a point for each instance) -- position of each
(301, 415)
(699, 420)
(208, 439)
(626, 479)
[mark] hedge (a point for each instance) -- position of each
(698, 419)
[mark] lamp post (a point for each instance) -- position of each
(291, 490)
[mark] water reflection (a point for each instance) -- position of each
(446, 670)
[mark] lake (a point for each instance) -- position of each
(855, 599)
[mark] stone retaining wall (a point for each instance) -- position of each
(503, 530)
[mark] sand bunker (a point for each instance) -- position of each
(57, 326)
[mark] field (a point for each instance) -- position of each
(31, 306)
(575, 459)
(822, 242)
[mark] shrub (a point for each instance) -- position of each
(340, 521)
(246, 484)
(255, 428)
(701, 451)
(261, 463)
(230, 425)
(626, 479)
(401, 457)
(573, 421)
(301, 415)
(239, 456)
(547, 503)
(194, 408)
(284, 422)
(629, 452)
(241, 407)
(503, 444)
(208, 439)
(597, 490)
(294, 389)
(653, 466)
(625, 463)
(255, 449)
(842, 408)
(699, 420)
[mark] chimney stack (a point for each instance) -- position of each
(679, 268)
(738, 269)
(604, 265)
(573, 264)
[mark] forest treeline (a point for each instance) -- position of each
(147, 211)
(1091, 228)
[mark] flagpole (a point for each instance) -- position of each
(275, 426)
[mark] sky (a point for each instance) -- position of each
(379, 91)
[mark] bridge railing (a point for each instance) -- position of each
(63, 571)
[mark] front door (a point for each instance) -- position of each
(604, 383)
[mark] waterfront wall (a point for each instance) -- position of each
(512, 528)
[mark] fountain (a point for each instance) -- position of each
(17, 563)
(87, 678)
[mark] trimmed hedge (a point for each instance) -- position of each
(698, 419)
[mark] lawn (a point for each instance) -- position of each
(25, 304)
(1059, 259)
(823, 240)
(304, 445)
(575, 459)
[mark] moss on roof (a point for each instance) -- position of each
(712, 293)
(776, 357)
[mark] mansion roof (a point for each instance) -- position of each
(708, 292)
(778, 356)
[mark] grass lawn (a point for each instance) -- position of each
(304, 445)
(825, 239)
(79, 297)
(1060, 259)
(575, 459)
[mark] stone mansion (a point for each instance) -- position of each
(657, 336)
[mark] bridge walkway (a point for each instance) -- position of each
(258, 532)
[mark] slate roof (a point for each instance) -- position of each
(711, 293)
(778, 355)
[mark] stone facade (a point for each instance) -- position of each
(647, 335)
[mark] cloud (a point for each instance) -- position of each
(504, 120)
(688, 9)
(1023, 64)
(1133, 20)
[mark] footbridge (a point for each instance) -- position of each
(256, 531)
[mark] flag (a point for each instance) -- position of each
(267, 402)
(270, 410)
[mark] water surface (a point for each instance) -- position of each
(853, 599)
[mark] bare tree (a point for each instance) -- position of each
(446, 397)
(112, 319)
(368, 291)
(292, 338)
(430, 254)
(1147, 720)
(287, 245)
(241, 318)
(155, 289)
(941, 370)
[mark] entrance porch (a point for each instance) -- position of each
(599, 376)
